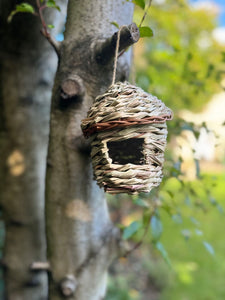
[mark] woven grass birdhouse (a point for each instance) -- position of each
(128, 130)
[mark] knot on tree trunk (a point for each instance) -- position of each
(68, 286)
(72, 87)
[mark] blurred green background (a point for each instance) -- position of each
(182, 256)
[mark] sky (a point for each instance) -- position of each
(222, 14)
(221, 4)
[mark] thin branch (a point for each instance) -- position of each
(145, 13)
(105, 51)
(137, 245)
(44, 29)
(110, 235)
(40, 266)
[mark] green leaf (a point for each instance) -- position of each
(140, 3)
(194, 221)
(223, 56)
(170, 193)
(197, 167)
(145, 31)
(51, 26)
(24, 8)
(146, 217)
(159, 246)
(198, 232)
(115, 24)
(220, 208)
(156, 227)
(213, 201)
(187, 126)
(140, 202)
(187, 200)
(131, 230)
(209, 248)
(121, 226)
(52, 4)
(177, 219)
(186, 234)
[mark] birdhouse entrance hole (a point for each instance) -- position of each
(127, 151)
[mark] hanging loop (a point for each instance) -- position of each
(116, 54)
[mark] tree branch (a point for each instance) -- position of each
(105, 51)
(137, 245)
(111, 237)
(40, 266)
(52, 41)
(44, 29)
(145, 13)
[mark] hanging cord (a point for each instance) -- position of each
(116, 54)
(118, 44)
(133, 71)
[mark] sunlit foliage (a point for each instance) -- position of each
(181, 64)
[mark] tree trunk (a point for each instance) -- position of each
(80, 236)
(27, 67)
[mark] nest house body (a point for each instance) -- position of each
(128, 131)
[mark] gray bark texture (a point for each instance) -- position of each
(27, 69)
(81, 239)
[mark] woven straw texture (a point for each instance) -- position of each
(128, 129)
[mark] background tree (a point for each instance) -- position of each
(27, 67)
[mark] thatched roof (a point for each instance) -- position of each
(124, 105)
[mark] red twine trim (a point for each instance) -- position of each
(126, 122)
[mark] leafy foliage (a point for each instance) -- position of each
(52, 4)
(209, 248)
(194, 271)
(181, 65)
(115, 24)
(50, 26)
(145, 31)
(24, 8)
(163, 251)
(28, 8)
(130, 230)
(182, 62)
(140, 3)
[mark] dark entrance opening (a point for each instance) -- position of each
(127, 151)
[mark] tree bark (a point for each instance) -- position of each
(27, 68)
(80, 236)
